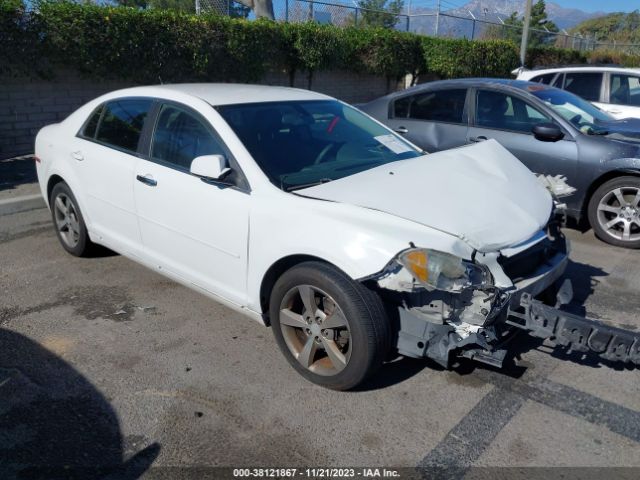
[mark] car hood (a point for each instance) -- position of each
(480, 193)
(627, 128)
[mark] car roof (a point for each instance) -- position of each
(226, 93)
(502, 83)
(579, 68)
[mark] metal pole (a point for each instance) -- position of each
(197, 7)
(525, 33)
(286, 11)
(356, 19)
(438, 18)
(473, 29)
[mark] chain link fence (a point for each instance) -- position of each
(440, 24)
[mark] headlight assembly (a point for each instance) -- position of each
(443, 271)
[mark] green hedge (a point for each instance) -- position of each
(449, 58)
(537, 57)
(149, 46)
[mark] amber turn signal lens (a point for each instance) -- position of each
(416, 263)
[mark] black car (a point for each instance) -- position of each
(550, 130)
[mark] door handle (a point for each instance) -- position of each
(479, 138)
(77, 155)
(402, 130)
(147, 180)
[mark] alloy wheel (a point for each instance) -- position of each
(315, 330)
(66, 218)
(619, 213)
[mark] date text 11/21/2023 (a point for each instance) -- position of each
(316, 472)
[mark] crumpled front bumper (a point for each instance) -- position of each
(574, 332)
(512, 310)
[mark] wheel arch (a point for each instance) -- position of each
(602, 179)
(52, 182)
(276, 270)
(67, 176)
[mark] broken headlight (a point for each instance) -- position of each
(443, 271)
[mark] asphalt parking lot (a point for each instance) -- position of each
(103, 361)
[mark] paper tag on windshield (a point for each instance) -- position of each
(392, 143)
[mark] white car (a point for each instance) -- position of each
(615, 90)
(306, 214)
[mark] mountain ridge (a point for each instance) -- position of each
(563, 17)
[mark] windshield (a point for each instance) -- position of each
(582, 114)
(302, 143)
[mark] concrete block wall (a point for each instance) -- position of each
(26, 105)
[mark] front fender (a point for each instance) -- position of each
(358, 241)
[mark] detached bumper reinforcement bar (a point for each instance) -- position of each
(578, 333)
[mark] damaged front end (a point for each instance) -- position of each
(450, 308)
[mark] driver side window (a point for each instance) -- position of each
(502, 111)
(180, 136)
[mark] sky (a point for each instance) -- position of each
(599, 5)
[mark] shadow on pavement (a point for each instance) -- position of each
(584, 278)
(16, 171)
(395, 372)
(54, 424)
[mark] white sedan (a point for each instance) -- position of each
(616, 90)
(307, 215)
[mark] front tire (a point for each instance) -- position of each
(331, 329)
(614, 212)
(68, 221)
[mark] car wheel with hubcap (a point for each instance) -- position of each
(68, 222)
(614, 212)
(332, 330)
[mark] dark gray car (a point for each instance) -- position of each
(550, 130)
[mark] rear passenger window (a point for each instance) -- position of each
(584, 84)
(180, 136)
(546, 79)
(89, 129)
(438, 106)
(625, 90)
(122, 123)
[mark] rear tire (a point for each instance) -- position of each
(331, 329)
(614, 212)
(68, 221)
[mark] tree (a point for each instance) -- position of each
(238, 8)
(380, 13)
(180, 5)
(512, 28)
(540, 21)
(262, 8)
(133, 3)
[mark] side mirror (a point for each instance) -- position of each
(547, 132)
(210, 167)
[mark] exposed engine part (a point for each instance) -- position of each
(418, 338)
